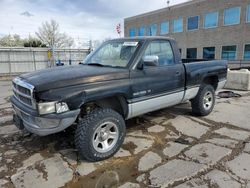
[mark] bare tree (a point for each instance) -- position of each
(49, 33)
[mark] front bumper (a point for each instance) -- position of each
(41, 125)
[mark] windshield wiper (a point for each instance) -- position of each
(96, 64)
(101, 65)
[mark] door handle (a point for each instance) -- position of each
(177, 73)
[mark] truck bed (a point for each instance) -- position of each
(197, 70)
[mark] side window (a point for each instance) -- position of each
(161, 49)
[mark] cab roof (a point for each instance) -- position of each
(143, 38)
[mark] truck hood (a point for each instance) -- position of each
(72, 75)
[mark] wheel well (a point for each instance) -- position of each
(212, 80)
(117, 103)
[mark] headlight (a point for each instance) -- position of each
(51, 107)
(46, 107)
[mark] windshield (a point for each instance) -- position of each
(113, 54)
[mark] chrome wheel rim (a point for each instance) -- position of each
(208, 100)
(105, 137)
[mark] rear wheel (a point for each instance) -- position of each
(100, 134)
(203, 103)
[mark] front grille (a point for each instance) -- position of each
(24, 92)
(22, 89)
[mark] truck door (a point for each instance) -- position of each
(160, 85)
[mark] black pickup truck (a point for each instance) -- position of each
(122, 79)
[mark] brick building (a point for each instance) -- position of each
(211, 29)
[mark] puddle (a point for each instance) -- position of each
(110, 175)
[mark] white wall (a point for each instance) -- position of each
(19, 60)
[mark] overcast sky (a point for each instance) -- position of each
(83, 19)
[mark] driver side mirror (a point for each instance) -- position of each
(151, 60)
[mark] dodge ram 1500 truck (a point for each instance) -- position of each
(122, 79)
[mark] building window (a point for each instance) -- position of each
(228, 52)
(153, 30)
(191, 53)
(248, 13)
(142, 31)
(232, 16)
(178, 25)
(193, 23)
(211, 20)
(132, 32)
(209, 53)
(247, 52)
(164, 28)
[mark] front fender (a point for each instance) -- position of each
(71, 95)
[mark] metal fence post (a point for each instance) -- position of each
(9, 61)
(34, 59)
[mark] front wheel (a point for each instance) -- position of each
(100, 134)
(204, 101)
